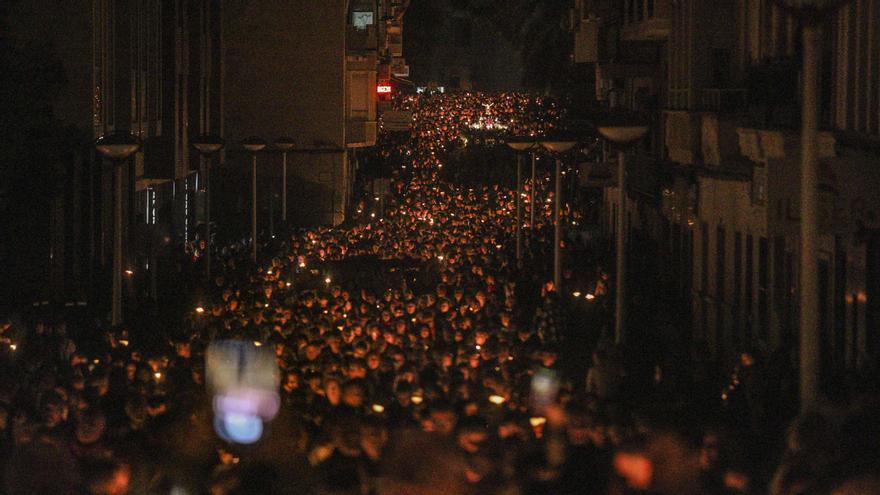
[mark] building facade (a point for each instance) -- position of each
(169, 70)
(149, 67)
(727, 81)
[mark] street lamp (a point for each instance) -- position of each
(520, 144)
(208, 145)
(284, 145)
(557, 146)
(624, 135)
(254, 145)
(117, 147)
(811, 13)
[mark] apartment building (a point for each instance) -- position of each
(169, 70)
(152, 68)
(728, 83)
(310, 70)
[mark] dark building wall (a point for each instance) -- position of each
(285, 76)
(285, 62)
(151, 67)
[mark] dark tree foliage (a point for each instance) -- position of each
(537, 28)
(33, 148)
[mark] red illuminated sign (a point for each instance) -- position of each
(383, 89)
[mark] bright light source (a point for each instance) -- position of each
(383, 89)
(269, 272)
(576, 294)
(266, 305)
(129, 272)
(239, 428)
(200, 310)
(12, 347)
(157, 375)
(302, 264)
(417, 399)
(378, 408)
(287, 284)
(327, 280)
(257, 343)
(536, 421)
(124, 342)
(440, 257)
(590, 297)
(496, 399)
(478, 347)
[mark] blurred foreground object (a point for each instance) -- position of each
(243, 381)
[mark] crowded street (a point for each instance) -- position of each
(413, 353)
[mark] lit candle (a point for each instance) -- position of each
(496, 399)
(537, 421)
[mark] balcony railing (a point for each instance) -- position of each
(720, 100)
(360, 40)
(723, 100)
(679, 99)
(395, 44)
(360, 132)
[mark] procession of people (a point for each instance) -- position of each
(415, 357)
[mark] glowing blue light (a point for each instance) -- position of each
(239, 428)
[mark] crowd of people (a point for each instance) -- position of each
(415, 357)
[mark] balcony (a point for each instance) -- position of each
(395, 44)
(360, 133)
(361, 40)
(724, 100)
(648, 30)
(684, 137)
(586, 42)
(647, 20)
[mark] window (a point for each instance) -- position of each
(737, 286)
(704, 257)
(720, 269)
(749, 284)
(759, 185)
(763, 290)
(720, 68)
(359, 102)
(361, 20)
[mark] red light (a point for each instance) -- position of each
(383, 89)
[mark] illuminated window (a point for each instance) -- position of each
(361, 20)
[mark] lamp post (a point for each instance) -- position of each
(557, 147)
(208, 145)
(519, 145)
(254, 145)
(811, 13)
(284, 145)
(624, 135)
(117, 147)
(534, 193)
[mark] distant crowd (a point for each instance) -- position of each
(414, 357)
